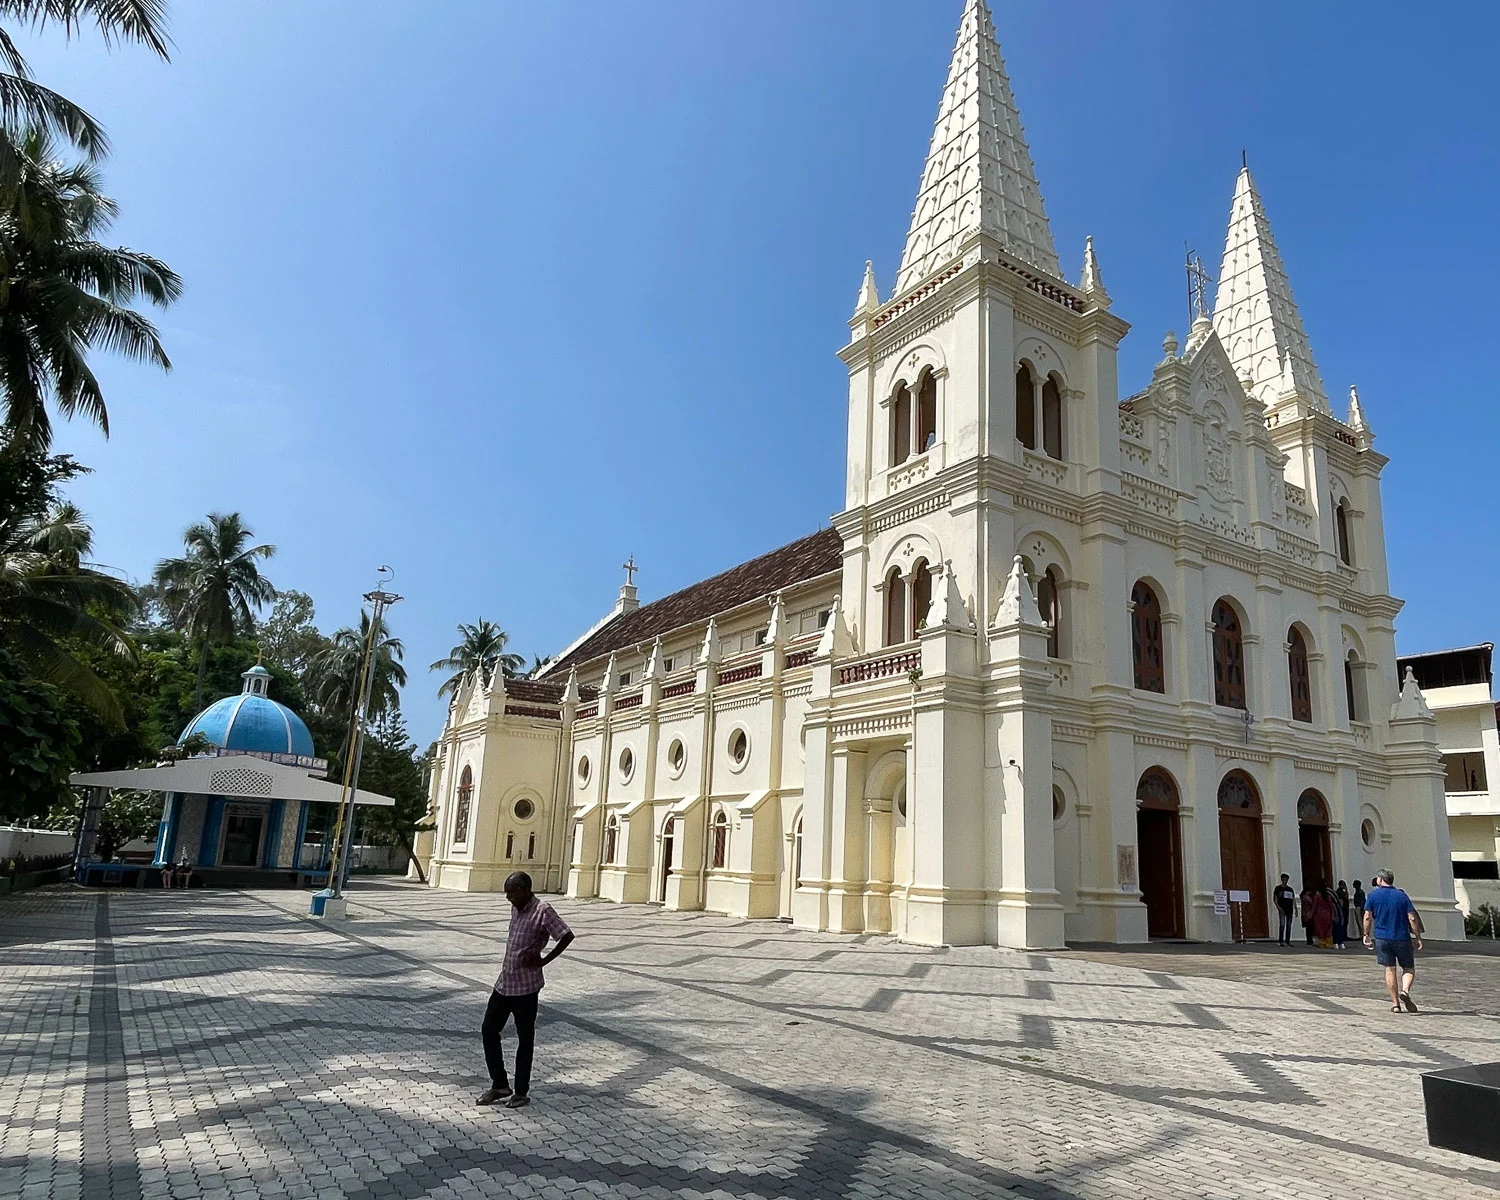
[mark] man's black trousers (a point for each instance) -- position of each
(523, 1008)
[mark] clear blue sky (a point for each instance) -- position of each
(501, 291)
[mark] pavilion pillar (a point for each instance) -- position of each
(208, 845)
(166, 831)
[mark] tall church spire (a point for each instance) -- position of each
(1254, 313)
(979, 176)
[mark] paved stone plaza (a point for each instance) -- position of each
(220, 1043)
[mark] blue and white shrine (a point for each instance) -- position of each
(257, 802)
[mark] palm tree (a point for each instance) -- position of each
(214, 590)
(480, 647)
(24, 103)
(63, 293)
(338, 670)
(50, 594)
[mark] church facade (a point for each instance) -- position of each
(1067, 664)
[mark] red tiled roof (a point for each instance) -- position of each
(821, 553)
(543, 691)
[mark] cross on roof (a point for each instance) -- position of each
(629, 567)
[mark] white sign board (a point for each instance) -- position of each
(1221, 904)
(1238, 897)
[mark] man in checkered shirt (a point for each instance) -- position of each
(532, 922)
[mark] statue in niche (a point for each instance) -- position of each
(1163, 446)
(1218, 470)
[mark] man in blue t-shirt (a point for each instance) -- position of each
(1391, 926)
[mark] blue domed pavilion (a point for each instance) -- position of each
(252, 721)
(255, 809)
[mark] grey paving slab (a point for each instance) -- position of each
(223, 1044)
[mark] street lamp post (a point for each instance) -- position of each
(338, 874)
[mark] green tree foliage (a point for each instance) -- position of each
(288, 637)
(38, 743)
(393, 767)
(480, 646)
(215, 589)
(337, 670)
(63, 293)
(53, 603)
(26, 104)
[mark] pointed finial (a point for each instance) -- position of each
(947, 610)
(776, 630)
(712, 651)
(570, 689)
(655, 664)
(1017, 603)
(1093, 281)
(611, 675)
(1356, 412)
(1411, 703)
(835, 639)
(1244, 160)
(869, 294)
(1169, 345)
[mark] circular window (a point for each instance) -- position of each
(627, 763)
(583, 769)
(739, 747)
(1367, 832)
(1059, 804)
(676, 757)
(524, 809)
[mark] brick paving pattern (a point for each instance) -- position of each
(220, 1044)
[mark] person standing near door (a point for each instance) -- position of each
(1391, 927)
(1286, 906)
(532, 922)
(1357, 907)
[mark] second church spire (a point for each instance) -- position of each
(979, 177)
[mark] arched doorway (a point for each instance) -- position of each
(1159, 841)
(1312, 834)
(1241, 851)
(666, 856)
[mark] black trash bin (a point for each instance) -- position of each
(1463, 1109)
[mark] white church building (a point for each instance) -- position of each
(1068, 662)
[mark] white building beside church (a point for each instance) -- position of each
(1066, 663)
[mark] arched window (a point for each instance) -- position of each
(1157, 790)
(1238, 795)
(895, 608)
(926, 412)
(1299, 678)
(921, 594)
(1049, 603)
(1312, 809)
(611, 839)
(465, 803)
(1354, 688)
(1341, 532)
(1229, 657)
(1145, 639)
(1025, 408)
(901, 426)
(721, 840)
(1052, 418)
